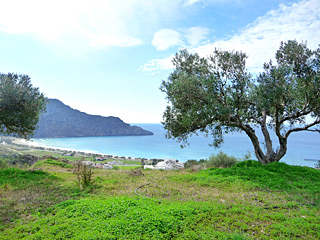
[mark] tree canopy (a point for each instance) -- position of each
(20, 105)
(217, 95)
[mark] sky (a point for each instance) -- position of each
(109, 57)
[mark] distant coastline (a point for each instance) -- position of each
(303, 145)
(66, 151)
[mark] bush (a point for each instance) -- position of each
(195, 166)
(58, 163)
(222, 160)
(3, 163)
(84, 174)
(190, 163)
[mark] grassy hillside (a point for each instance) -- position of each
(246, 201)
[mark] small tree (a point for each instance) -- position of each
(217, 95)
(84, 173)
(20, 105)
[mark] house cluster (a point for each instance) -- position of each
(108, 165)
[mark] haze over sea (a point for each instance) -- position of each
(301, 145)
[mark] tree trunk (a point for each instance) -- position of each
(270, 155)
(255, 142)
(270, 152)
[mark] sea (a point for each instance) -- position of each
(301, 146)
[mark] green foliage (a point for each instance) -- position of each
(55, 163)
(216, 95)
(24, 193)
(302, 182)
(191, 163)
(222, 160)
(246, 201)
(84, 174)
(20, 179)
(129, 218)
(20, 105)
(141, 218)
(3, 163)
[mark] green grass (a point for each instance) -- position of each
(131, 162)
(24, 192)
(53, 162)
(246, 201)
(128, 167)
(141, 218)
(20, 179)
(303, 182)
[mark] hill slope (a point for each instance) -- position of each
(61, 120)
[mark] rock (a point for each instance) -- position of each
(169, 164)
(151, 161)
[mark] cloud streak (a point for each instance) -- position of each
(260, 40)
(98, 23)
(166, 38)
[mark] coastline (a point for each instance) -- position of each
(19, 142)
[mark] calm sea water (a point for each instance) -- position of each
(301, 145)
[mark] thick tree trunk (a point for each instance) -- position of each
(282, 150)
(255, 142)
(270, 152)
(270, 155)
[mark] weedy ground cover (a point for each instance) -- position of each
(53, 162)
(246, 201)
(24, 193)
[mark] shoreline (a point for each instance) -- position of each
(20, 142)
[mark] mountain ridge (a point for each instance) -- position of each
(61, 120)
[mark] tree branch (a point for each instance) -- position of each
(305, 128)
(297, 115)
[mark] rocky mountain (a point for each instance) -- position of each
(61, 120)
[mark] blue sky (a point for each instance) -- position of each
(109, 57)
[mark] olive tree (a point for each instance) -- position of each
(217, 95)
(20, 105)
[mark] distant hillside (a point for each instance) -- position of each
(61, 120)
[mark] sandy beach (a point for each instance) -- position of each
(25, 144)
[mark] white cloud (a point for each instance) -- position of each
(190, 2)
(97, 23)
(156, 65)
(261, 39)
(166, 38)
(195, 35)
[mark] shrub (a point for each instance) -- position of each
(3, 163)
(222, 160)
(190, 163)
(58, 163)
(84, 174)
